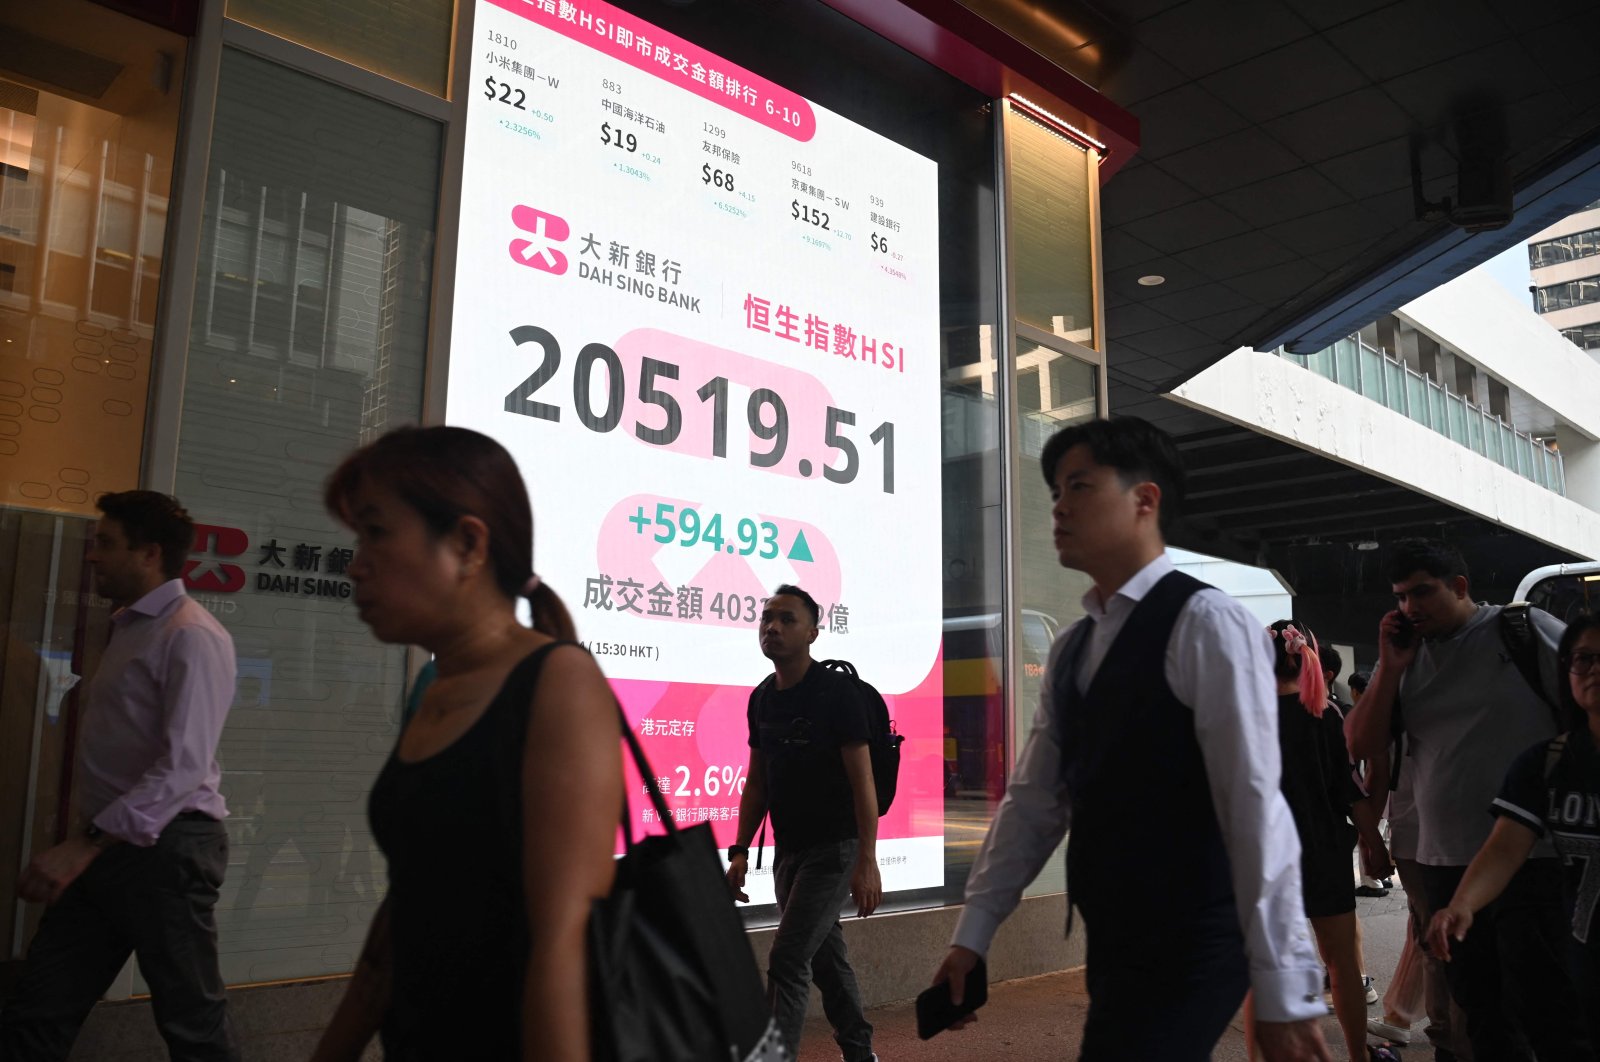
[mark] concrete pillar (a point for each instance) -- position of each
(1429, 358)
(1580, 459)
(1388, 335)
(1500, 400)
(1463, 383)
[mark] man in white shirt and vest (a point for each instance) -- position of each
(1189, 902)
(139, 874)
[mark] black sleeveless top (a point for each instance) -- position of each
(450, 827)
(1146, 862)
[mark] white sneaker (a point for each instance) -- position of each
(1399, 1034)
(1372, 990)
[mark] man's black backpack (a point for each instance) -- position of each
(1521, 641)
(883, 740)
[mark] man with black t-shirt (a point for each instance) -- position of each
(810, 770)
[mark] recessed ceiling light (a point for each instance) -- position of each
(1152, 280)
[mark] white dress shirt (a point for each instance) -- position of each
(1219, 663)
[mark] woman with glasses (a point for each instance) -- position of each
(1553, 788)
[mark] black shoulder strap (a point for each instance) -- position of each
(1552, 755)
(1521, 640)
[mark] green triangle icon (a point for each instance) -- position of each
(800, 551)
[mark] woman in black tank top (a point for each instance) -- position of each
(498, 809)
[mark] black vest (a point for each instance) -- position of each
(1146, 858)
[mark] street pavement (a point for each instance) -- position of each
(1040, 1019)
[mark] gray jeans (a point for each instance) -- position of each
(155, 903)
(812, 885)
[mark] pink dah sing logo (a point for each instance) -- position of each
(550, 229)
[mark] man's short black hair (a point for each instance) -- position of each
(1138, 450)
(148, 517)
(810, 602)
(1360, 680)
(1332, 662)
(1411, 555)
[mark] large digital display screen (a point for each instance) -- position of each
(702, 312)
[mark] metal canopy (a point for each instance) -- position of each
(1273, 190)
(1273, 181)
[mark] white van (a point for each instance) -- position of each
(1563, 590)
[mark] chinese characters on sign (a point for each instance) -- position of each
(839, 339)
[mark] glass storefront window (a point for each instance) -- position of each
(407, 40)
(1054, 390)
(83, 215)
(308, 339)
(1056, 383)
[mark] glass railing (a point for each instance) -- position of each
(1368, 371)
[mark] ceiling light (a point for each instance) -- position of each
(1366, 545)
(1060, 123)
(1152, 280)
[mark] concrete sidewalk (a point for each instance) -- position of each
(1040, 1019)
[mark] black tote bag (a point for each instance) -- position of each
(671, 974)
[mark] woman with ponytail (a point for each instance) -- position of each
(498, 808)
(1323, 796)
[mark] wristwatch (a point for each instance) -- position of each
(738, 851)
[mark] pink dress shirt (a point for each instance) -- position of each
(148, 748)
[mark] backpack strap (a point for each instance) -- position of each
(1552, 755)
(1521, 640)
(761, 691)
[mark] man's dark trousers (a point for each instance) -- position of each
(155, 903)
(1163, 998)
(812, 884)
(1509, 975)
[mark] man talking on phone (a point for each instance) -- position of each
(1156, 737)
(1467, 689)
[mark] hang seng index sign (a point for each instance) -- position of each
(702, 312)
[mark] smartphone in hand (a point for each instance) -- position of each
(935, 1012)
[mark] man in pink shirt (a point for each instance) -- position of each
(140, 872)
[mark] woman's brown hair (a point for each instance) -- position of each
(445, 473)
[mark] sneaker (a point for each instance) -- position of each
(1383, 1053)
(1371, 890)
(1397, 1033)
(1371, 989)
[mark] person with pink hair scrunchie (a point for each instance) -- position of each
(1327, 803)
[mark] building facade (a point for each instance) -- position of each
(239, 239)
(1564, 262)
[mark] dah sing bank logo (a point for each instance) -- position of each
(212, 575)
(550, 229)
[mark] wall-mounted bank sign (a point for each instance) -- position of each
(703, 314)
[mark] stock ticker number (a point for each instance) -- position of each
(499, 90)
(720, 178)
(800, 212)
(623, 141)
(708, 531)
(766, 412)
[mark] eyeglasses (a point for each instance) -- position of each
(1582, 663)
